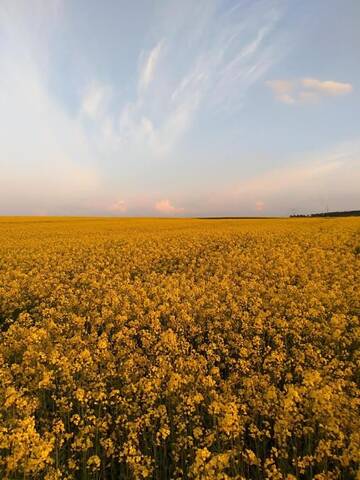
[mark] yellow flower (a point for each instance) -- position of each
(94, 462)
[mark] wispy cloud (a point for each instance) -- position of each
(306, 90)
(312, 178)
(94, 99)
(183, 76)
(144, 127)
(308, 182)
(149, 66)
(45, 160)
(291, 177)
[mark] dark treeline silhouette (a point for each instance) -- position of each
(351, 213)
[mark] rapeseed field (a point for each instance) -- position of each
(179, 349)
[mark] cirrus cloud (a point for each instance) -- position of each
(94, 100)
(148, 69)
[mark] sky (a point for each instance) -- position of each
(168, 108)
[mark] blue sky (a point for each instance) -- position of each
(168, 108)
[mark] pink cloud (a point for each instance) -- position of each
(259, 206)
(164, 206)
(306, 90)
(328, 87)
(118, 206)
(280, 87)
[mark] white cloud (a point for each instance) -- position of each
(197, 62)
(148, 69)
(306, 90)
(183, 75)
(164, 206)
(46, 161)
(237, 72)
(93, 103)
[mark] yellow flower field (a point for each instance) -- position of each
(179, 349)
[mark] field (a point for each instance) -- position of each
(179, 349)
